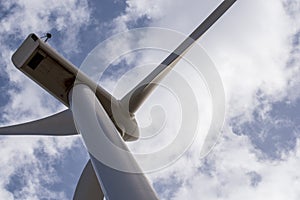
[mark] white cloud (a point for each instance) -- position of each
(229, 176)
(250, 44)
(42, 16)
(20, 155)
(31, 161)
(252, 48)
(226, 174)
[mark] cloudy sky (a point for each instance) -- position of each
(255, 48)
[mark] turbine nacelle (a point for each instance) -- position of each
(57, 75)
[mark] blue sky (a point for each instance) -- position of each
(255, 48)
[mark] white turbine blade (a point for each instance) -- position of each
(88, 186)
(60, 124)
(118, 172)
(139, 93)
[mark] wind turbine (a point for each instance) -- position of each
(90, 113)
